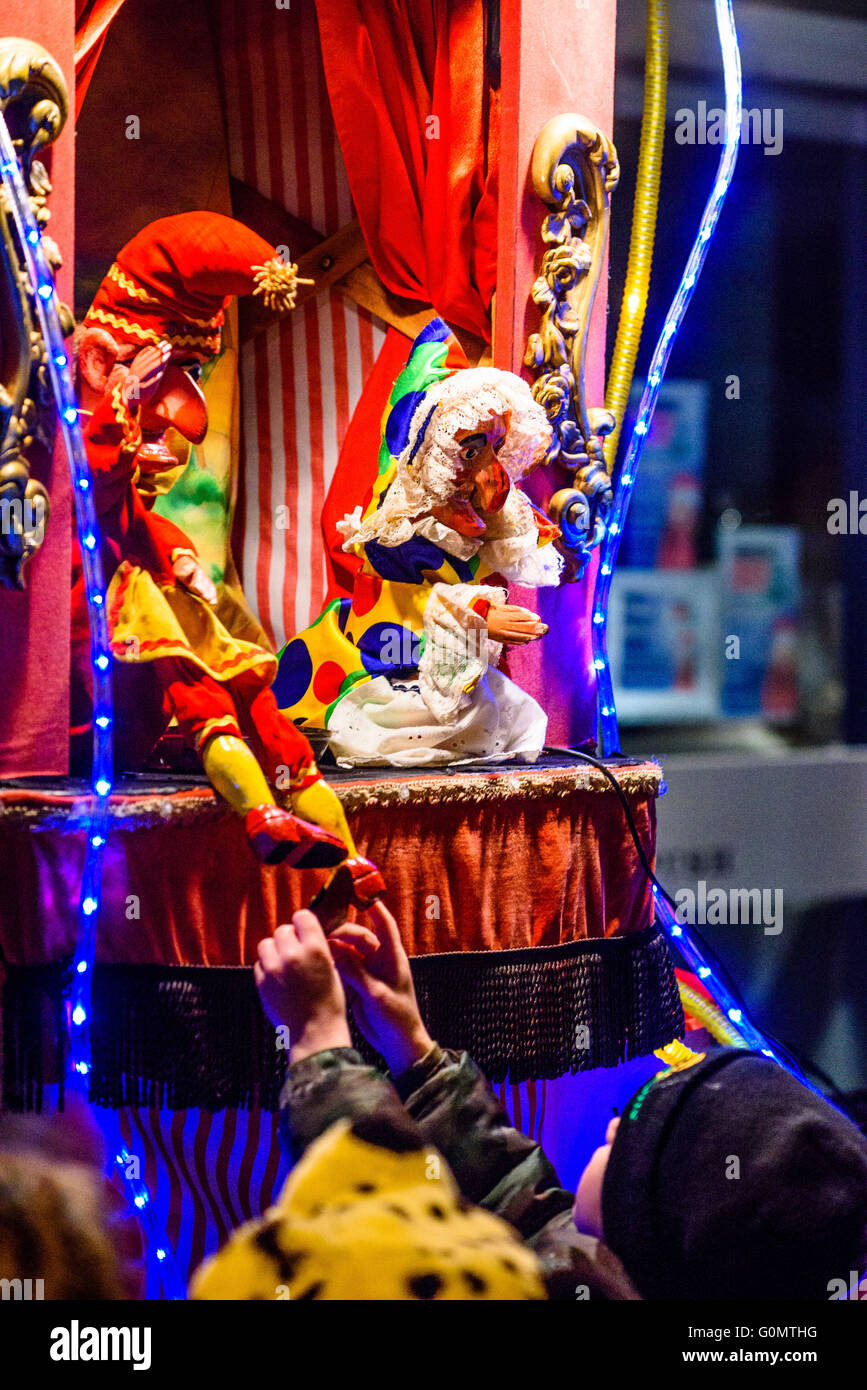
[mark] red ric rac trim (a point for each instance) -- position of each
(127, 421)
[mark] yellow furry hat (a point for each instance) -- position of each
(359, 1221)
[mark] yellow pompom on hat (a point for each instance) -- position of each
(358, 1221)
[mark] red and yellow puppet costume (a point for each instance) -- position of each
(157, 314)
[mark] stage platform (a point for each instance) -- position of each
(517, 888)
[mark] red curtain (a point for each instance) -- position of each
(418, 125)
(92, 20)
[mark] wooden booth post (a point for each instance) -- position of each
(34, 621)
(557, 57)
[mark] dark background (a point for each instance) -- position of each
(781, 304)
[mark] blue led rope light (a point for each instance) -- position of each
(626, 479)
(100, 656)
(158, 1247)
(678, 933)
(749, 1035)
(96, 822)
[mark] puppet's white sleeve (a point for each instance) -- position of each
(457, 649)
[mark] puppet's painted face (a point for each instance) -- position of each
(482, 485)
(177, 408)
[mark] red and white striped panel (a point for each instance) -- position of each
(301, 380)
(207, 1173)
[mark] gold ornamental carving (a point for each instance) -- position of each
(35, 104)
(574, 171)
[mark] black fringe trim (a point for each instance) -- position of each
(195, 1036)
(538, 1014)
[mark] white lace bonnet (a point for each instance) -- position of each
(430, 462)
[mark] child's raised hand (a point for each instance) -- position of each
(300, 988)
(381, 988)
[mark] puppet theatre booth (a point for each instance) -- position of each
(309, 521)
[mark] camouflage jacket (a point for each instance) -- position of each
(495, 1166)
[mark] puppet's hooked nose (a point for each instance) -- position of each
(177, 401)
(492, 487)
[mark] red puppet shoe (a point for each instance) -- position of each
(278, 836)
(357, 883)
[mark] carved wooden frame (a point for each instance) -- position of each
(35, 104)
(574, 171)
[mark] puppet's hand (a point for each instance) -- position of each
(189, 572)
(513, 625)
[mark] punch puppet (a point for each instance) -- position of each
(154, 321)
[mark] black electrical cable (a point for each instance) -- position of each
(627, 811)
(633, 829)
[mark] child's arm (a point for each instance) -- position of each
(333, 1085)
(327, 1080)
(495, 1165)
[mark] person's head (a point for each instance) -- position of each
(369, 1214)
(57, 1225)
(587, 1210)
(729, 1179)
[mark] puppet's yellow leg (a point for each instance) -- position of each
(321, 805)
(235, 773)
(239, 779)
(237, 776)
